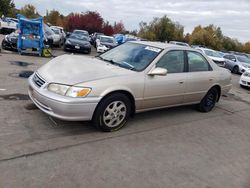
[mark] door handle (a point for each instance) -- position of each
(211, 79)
(181, 82)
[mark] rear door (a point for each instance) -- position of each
(200, 77)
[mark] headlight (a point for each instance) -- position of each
(78, 92)
(6, 37)
(102, 46)
(244, 65)
(247, 74)
(70, 91)
(58, 88)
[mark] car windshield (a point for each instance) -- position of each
(212, 53)
(81, 33)
(107, 39)
(47, 30)
(78, 37)
(243, 59)
(56, 31)
(131, 56)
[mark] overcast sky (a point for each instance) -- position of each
(233, 16)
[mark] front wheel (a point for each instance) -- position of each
(209, 101)
(112, 112)
(235, 70)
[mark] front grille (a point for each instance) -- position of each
(38, 80)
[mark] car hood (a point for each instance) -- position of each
(108, 44)
(217, 58)
(74, 69)
(75, 41)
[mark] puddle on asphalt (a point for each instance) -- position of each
(20, 63)
(14, 97)
(31, 106)
(22, 74)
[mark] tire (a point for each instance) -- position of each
(209, 101)
(112, 112)
(235, 70)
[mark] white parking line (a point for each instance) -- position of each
(1, 89)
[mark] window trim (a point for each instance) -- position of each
(187, 62)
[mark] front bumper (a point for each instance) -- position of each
(62, 107)
(102, 49)
(78, 49)
(8, 45)
(245, 81)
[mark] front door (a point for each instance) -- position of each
(166, 90)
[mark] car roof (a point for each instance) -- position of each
(163, 45)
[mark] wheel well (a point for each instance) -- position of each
(217, 87)
(129, 95)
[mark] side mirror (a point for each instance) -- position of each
(234, 60)
(158, 71)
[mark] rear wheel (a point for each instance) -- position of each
(235, 70)
(209, 101)
(112, 113)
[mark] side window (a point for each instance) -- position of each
(227, 57)
(197, 63)
(173, 61)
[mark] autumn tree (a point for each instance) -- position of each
(161, 29)
(6, 7)
(247, 47)
(29, 11)
(107, 29)
(54, 18)
(118, 27)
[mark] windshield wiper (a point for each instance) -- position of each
(127, 65)
(107, 60)
(131, 67)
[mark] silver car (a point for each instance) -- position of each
(236, 63)
(133, 77)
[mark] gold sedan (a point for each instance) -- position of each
(133, 77)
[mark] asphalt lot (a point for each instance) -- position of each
(177, 147)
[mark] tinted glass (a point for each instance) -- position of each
(78, 37)
(173, 61)
(107, 39)
(197, 62)
(131, 56)
(211, 53)
(243, 59)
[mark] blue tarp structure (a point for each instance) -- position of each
(30, 35)
(120, 38)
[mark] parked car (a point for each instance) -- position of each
(212, 54)
(179, 43)
(7, 25)
(237, 64)
(133, 77)
(78, 43)
(82, 32)
(245, 79)
(58, 39)
(105, 43)
(59, 31)
(93, 37)
(10, 41)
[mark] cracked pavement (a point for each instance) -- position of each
(177, 147)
